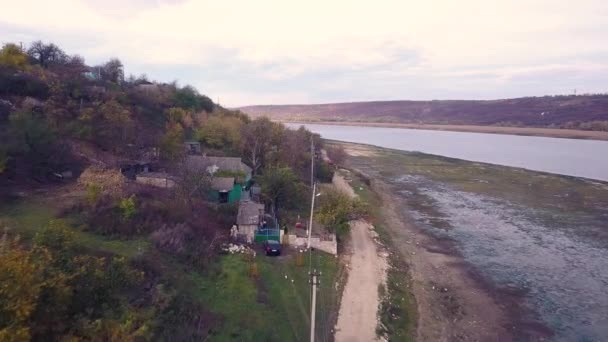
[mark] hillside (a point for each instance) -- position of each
(90, 253)
(589, 112)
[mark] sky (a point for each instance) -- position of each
(321, 51)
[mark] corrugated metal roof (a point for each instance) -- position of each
(222, 183)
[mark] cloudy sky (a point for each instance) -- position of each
(317, 51)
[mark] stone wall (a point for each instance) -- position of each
(327, 244)
(154, 181)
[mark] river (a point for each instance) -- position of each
(572, 157)
(543, 235)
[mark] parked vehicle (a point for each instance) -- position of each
(272, 247)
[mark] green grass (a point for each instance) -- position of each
(27, 216)
(271, 307)
(529, 188)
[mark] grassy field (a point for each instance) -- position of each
(27, 217)
(275, 306)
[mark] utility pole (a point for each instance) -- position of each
(314, 281)
(312, 161)
(312, 209)
(314, 187)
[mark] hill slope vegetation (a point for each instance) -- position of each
(589, 112)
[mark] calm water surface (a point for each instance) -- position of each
(572, 157)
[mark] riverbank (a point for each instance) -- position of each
(525, 131)
(486, 247)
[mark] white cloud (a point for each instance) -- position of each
(276, 41)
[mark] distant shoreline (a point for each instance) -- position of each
(527, 131)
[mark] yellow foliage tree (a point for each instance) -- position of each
(13, 56)
(221, 132)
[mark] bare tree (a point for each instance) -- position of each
(46, 54)
(191, 183)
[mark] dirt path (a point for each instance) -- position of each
(357, 318)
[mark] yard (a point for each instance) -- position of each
(274, 306)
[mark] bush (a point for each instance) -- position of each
(93, 192)
(22, 85)
(336, 209)
(128, 208)
(336, 154)
(324, 172)
(189, 98)
(53, 292)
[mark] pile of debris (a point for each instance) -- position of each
(234, 248)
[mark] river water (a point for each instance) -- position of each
(563, 276)
(559, 264)
(572, 157)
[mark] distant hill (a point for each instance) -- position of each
(578, 112)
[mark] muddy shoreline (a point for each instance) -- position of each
(496, 253)
(455, 302)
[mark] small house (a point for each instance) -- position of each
(249, 218)
(225, 190)
(157, 179)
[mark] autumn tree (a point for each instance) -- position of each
(220, 132)
(171, 145)
(294, 150)
(13, 56)
(281, 187)
(335, 209)
(50, 291)
(118, 120)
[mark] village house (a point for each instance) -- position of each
(230, 176)
(221, 166)
(225, 190)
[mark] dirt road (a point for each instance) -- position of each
(357, 318)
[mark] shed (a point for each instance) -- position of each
(248, 218)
